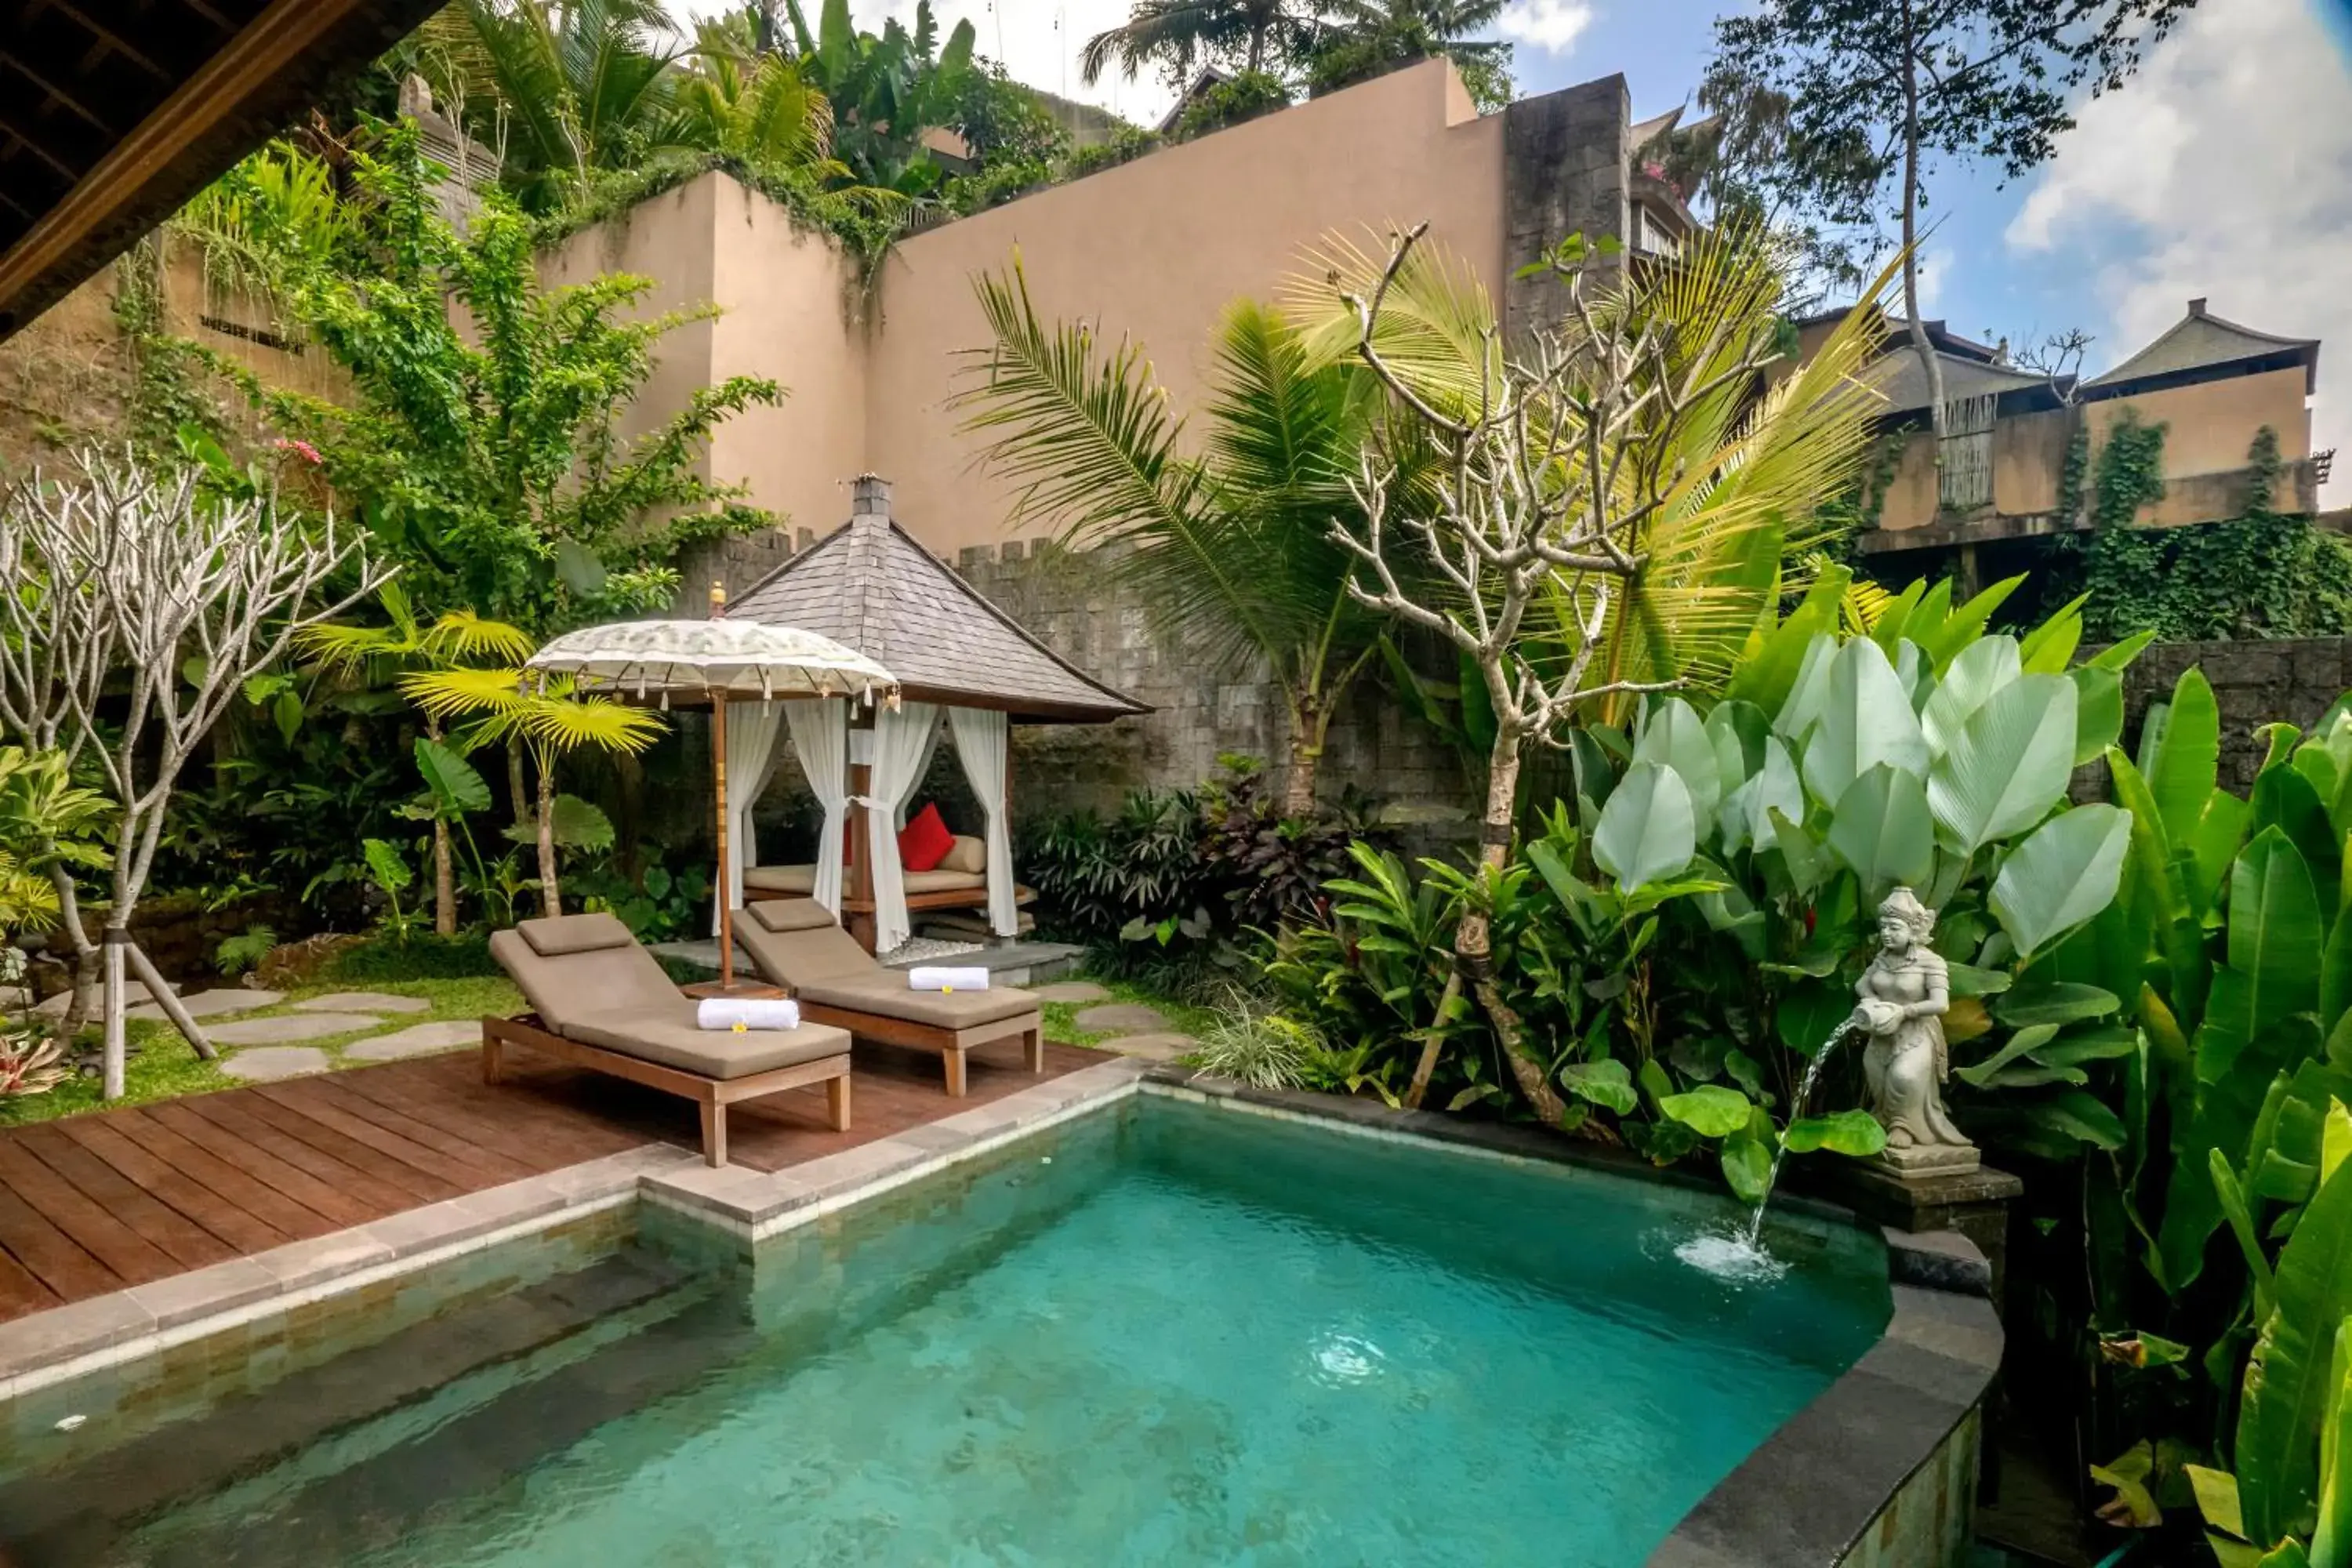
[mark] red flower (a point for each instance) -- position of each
(302, 449)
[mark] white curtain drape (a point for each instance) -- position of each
(902, 742)
(981, 740)
(821, 740)
(922, 770)
(750, 761)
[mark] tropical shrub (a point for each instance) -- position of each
(1232, 102)
(1261, 1048)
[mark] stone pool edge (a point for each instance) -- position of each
(1878, 1471)
(83, 1337)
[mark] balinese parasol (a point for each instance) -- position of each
(718, 661)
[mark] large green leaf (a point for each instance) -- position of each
(2008, 766)
(1767, 668)
(2287, 1388)
(1646, 832)
(1855, 1132)
(2098, 710)
(2046, 1003)
(1711, 1110)
(1982, 669)
(2060, 877)
(1865, 720)
(2187, 755)
(386, 866)
(457, 787)
(1746, 1164)
(1945, 642)
(1606, 1083)
(1675, 737)
(1777, 788)
(1807, 688)
(1881, 828)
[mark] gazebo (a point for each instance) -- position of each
(963, 666)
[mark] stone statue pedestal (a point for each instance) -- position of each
(1974, 1202)
(1926, 1160)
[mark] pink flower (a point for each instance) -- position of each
(302, 449)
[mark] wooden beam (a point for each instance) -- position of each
(270, 46)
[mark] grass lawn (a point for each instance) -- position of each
(163, 1067)
(1183, 1017)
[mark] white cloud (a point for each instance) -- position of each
(1551, 25)
(2224, 170)
(1037, 41)
(1935, 266)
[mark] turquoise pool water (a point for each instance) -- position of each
(1167, 1334)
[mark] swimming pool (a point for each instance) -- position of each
(1160, 1334)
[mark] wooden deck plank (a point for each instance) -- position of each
(185, 1241)
(486, 1166)
(313, 1126)
(20, 1292)
(326, 1197)
(218, 1211)
(49, 1255)
(255, 1196)
(528, 1127)
(129, 1256)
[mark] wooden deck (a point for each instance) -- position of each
(94, 1203)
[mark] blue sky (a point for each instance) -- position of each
(2224, 170)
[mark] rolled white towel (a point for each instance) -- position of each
(945, 977)
(727, 1012)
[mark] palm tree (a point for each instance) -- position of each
(758, 108)
(564, 89)
(886, 88)
(1361, 38)
(547, 715)
(373, 655)
(1179, 34)
(1233, 550)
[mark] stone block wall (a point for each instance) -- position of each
(2291, 680)
(1566, 169)
(1075, 604)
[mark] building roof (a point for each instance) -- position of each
(2201, 341)
(870, 586)
(112, 117)
(1898, 376)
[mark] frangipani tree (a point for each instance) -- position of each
(119, 570)
(1613, 496)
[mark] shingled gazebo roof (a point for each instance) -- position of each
(868, 585)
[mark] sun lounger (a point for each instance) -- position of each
(603, 1003)
(797, 944)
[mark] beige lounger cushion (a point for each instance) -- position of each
(583, 982)
(939, 880)
(793, 946)
(670, 1039)
(800, 879)
(966, 854)
(590, 981)
(887, 996)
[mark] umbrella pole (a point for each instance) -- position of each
(726, 902)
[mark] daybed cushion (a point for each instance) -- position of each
(886, 995)
(800, 879)
(923, 840)
(580, 985)
(942, 881)
(670, 1039)
(967, 854)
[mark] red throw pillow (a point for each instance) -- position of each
(924, 842)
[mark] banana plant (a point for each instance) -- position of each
(1925, 752)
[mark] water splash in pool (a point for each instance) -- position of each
(1739, 1255)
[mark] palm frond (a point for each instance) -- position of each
(461, 635)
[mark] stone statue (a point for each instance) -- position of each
(1903, 996)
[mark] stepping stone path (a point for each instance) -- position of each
(359, 1002)
(288, 1028)
(271, 1063)
(1153, 1047)
(416, 1041)
(134, 992)
(211, 1004)
(1070, 991)
(1122, 1018)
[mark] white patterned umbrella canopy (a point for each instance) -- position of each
(743, 660)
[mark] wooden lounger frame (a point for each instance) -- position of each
(951, 1044)
(712, 1095)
